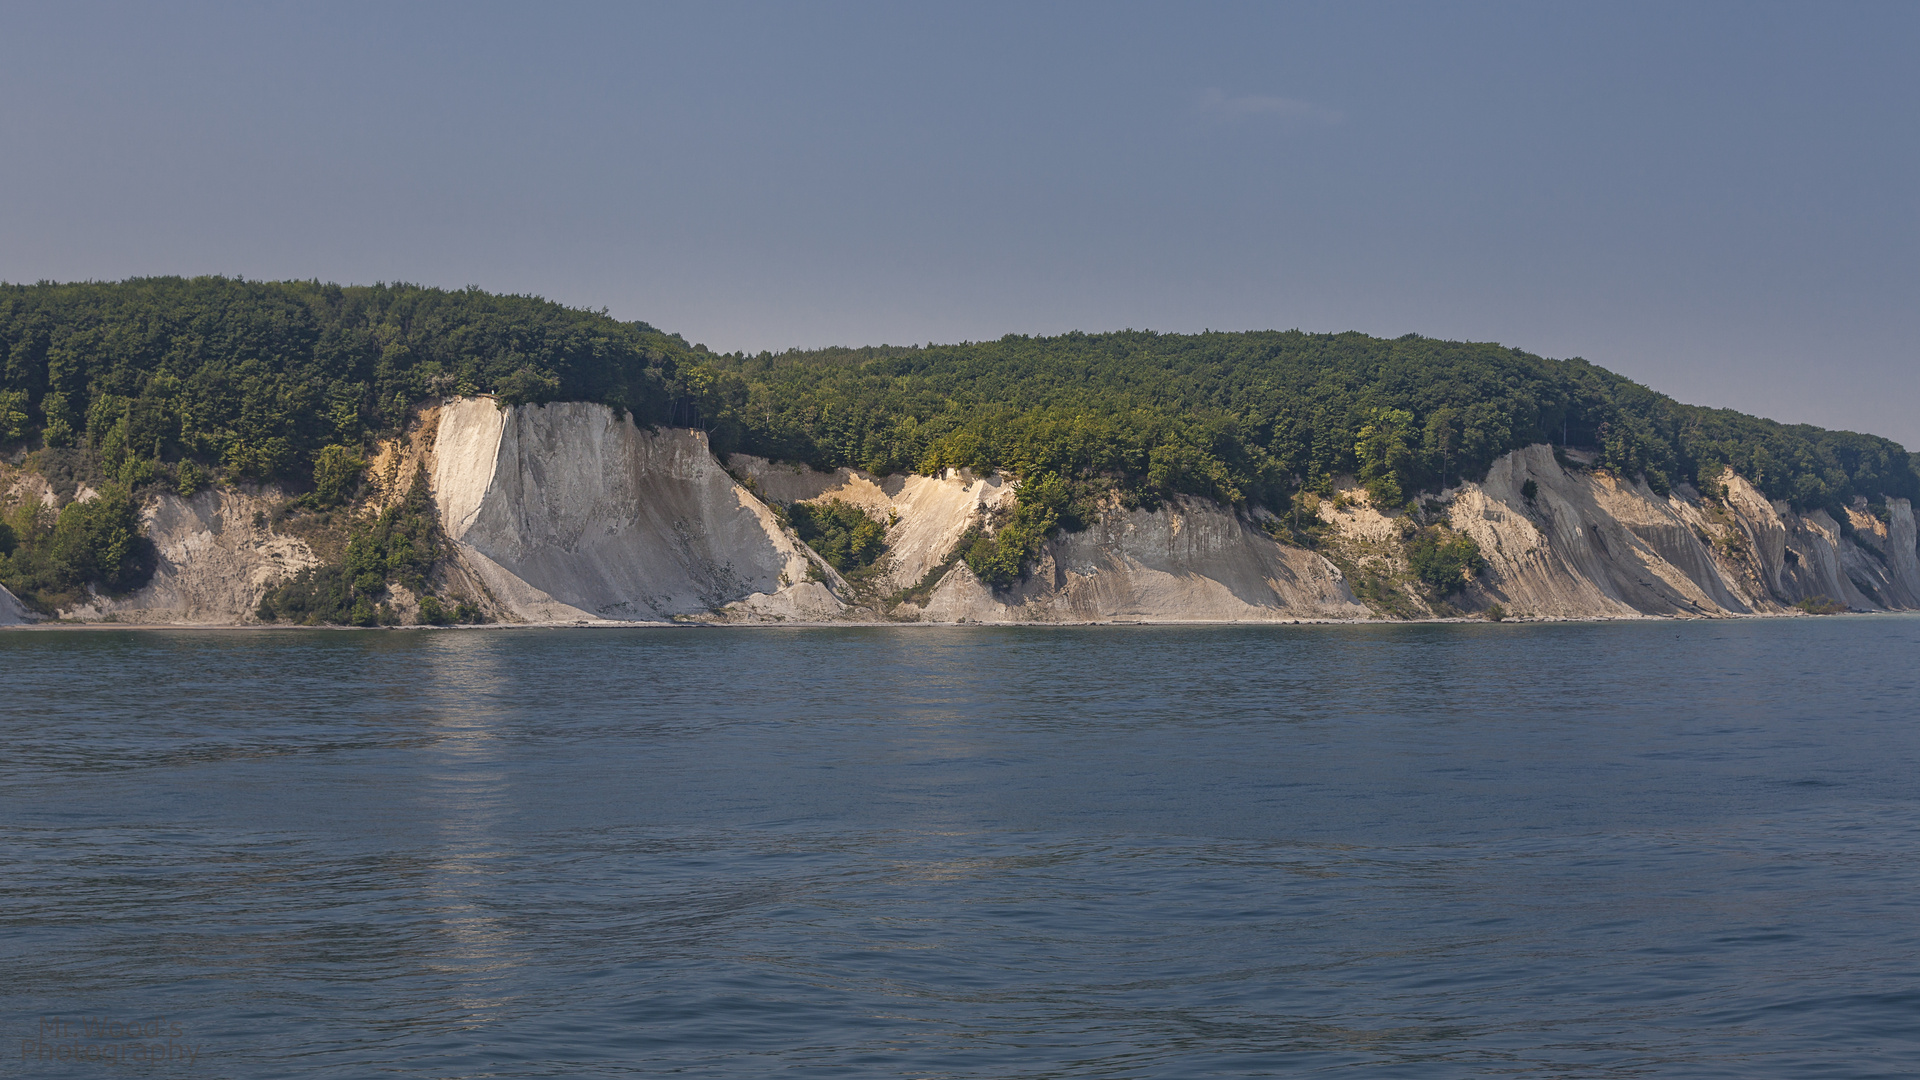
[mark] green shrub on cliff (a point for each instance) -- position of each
(1444, 560)
(15, 425)
(316, 596)
(336, 470)
(1821, 605)
(842, 533)
(51, 560)
(1001, 558)
(398, 547)
(435, 612)
(188, 478)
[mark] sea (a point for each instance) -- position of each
(1633, 849)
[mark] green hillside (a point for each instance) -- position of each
(177, 383)
(1253, 416)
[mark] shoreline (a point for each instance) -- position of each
(56, 625)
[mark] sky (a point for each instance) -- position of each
(1721, 201)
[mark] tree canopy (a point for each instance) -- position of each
(174, 379)
(257, 379)
(1252, 417)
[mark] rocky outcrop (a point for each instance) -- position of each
(217, 553)
(926, 515)
(1898, 546)
(1188, 561)
(566, 512)
(13, 612)
(1588, 544)
(19, 485)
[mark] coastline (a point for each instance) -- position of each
(647, 528)
(58, 625)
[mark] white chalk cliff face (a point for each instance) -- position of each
(12, 611)
(928, 514)
(1190, 561)
(567, 513)
(217, 554)
(1591, 545)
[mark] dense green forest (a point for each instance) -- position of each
(1252, 417)
(255, 380)
(182, 382)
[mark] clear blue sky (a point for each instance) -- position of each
(1722, 201)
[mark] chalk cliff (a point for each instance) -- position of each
(217, 553)
(1590, 545)
(12, 611)
(1189, 561)
(568, 513)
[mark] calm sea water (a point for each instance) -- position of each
(1428, 851)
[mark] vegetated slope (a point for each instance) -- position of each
(172, 384)
(254, 379)
(1254, 416)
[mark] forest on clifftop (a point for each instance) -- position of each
(180, 382)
